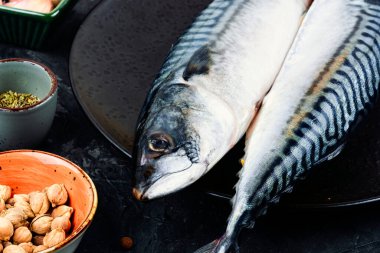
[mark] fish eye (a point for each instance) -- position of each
(159, 143)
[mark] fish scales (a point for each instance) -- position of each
(328, 110)
(213, 28)
(204, 30)
(209, 89)
(301, 122)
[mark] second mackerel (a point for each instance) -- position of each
(328, 82)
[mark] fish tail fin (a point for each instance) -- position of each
(221, 245)
(208, 248)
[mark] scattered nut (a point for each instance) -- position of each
(62, 222)
(39, 202)
(54, 237)
(6, 229)
(39, 248)
(6, 244)
(25, 206)
(21, 197)
(2, 205)
(126, 242)
(62, 210)
(16, 216)
(21, 235)
(13, 249)
(5, 192)
(57, 194)
(10, 201)
(38, 240)
(41, 224)
(27, 246)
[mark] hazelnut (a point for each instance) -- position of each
(39, 202)
(21, 197)
(2, 205)
(6, 229)
(22, 234)
(5, 192)
(10, 201)
(6, 244)
(25, 206)
(38, 240)
(27, 246)
(57, 194)
(16, 216)
(126, 242)
(41, 224)
(54, 237)
(61, 222)
(13, 249)
(39, 248)
(62, 210)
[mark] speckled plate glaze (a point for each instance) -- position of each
(116, 54)
(114, 59)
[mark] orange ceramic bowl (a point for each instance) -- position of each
(30, 170)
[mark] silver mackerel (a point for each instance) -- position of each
(329, 81)
(209, 89)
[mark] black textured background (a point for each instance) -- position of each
(186, 220)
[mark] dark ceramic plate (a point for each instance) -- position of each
(114, 59)
(117, 53)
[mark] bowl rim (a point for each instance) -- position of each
(88, 219)
(53, 88)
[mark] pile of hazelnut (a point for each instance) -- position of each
(33, 222)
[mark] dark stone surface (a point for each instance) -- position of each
(186, 220)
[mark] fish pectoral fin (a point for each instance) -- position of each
(332, 154)
(199, 63)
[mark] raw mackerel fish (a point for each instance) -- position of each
(209, 90)
(329, 80)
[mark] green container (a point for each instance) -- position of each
(28, 28)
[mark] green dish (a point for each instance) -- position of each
(28, 28)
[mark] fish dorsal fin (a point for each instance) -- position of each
(198, 64)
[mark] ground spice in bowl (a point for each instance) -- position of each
(11, 99)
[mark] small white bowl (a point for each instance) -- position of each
(27, 127)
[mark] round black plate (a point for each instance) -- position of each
(115, 57)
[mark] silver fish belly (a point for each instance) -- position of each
(209, 88)
(329, 81)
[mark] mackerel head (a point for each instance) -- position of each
(209, 89)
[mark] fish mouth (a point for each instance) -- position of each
(169, 183)
(139, 195)
(147, 191)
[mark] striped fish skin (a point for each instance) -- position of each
(206, 93)
(329, 81)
